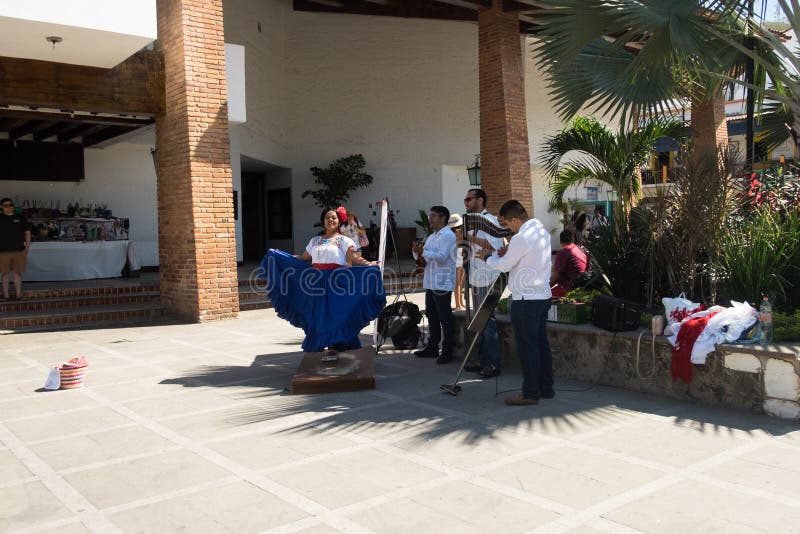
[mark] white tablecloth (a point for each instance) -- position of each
(50, 261)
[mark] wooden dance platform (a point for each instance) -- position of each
(353, 371)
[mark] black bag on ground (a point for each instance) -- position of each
(616, 315)
(400, 321)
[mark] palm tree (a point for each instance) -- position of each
(588, 150)
(624, 57)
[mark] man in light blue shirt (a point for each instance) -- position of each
(439, 257)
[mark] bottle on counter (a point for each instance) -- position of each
(765, 320)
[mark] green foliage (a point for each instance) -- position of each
(337, 180)
(759, 254)
(786, 327)
(502, 306)
(587, 150)
(423, 222)
(583, 295)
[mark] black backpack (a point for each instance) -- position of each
(400, 322)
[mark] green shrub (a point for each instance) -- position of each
(758, 256)
(786, 327)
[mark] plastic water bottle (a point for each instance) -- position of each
(765, 319)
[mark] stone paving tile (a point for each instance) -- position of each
(269, 449)
(180, 404)
(350, 478)
(212, 510)
(100, 446)
(770, 468)
(42, 403)
(12, 468)
(659, 441)
(121, 374)
(53, 426)
(72, 528)
(118, 484)
(697, 507)
(24, 505)
(454, 507)
(573, 477)
(24, 389)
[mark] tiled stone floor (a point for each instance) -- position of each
(188, 428)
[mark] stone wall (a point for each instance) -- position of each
(755, 378)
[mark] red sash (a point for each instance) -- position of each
(326, 266)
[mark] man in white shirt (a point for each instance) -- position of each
(439, 256)
(481, 278)
(527, 259)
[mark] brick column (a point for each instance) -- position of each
(709, 128)
(196, 235)
(505, 156)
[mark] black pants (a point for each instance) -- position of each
(529, 318)
(440, 320)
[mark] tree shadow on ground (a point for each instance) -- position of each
(408, 400)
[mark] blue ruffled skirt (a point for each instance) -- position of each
(331, 306)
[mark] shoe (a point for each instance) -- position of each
(519, 400)
(427, 352)
(489, 371)
(444, 358)
(473, 368)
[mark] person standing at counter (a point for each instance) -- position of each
(15, 241)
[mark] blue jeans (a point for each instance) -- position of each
(489, 340)
(440, 320)
(529, 318)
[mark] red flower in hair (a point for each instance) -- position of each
(341, 212)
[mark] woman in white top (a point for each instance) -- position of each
(330, 304)
(332, 249)
(353, 229)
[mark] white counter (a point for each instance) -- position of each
(50, 261)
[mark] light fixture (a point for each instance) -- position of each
(612, 195)
(474, 172)
(154, 154)
(54, 39)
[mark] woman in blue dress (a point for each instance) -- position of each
(331, 299)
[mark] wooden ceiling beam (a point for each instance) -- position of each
(105, 134)
(27, 128)
(18, 114)
(51, 130)
(135, 86)
(423, 9)
(77, 131)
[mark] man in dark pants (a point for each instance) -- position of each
(527, 259)
(439, 257)
(481, 279)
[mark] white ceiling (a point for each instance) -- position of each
(97, 33)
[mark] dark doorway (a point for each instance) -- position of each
(254, 216)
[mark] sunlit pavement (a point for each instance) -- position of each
(188, 427)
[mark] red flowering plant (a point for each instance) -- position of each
(771, 188)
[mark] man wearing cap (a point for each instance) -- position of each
(481, 278)
(456, 225)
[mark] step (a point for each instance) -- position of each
(54, 303)
(89, 291)
(89, 316)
